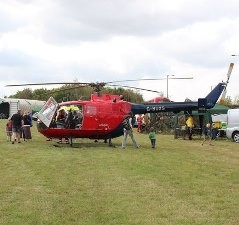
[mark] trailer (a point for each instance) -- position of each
(9, 106)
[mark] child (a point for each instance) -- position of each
(152, 137)
(207, 133)
(9, 129)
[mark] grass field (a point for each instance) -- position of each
(180, 182)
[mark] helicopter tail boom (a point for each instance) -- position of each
(202, 104)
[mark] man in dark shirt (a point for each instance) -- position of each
(127, 124)
(17, 123)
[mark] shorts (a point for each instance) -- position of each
(16, 129)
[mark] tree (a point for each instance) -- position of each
(236, 100)
(227, 101)
(40, 94)
(25, 94)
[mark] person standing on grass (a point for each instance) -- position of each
(190, 125)
(139, 121)
(127, 124)
(152, 137)
(17, 124)
(26, 130)
(207, 134)
(9, 129)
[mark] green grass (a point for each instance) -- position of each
(180, 182)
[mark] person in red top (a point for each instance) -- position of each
(9, 129)
(139, 121)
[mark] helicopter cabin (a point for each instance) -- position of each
(101, 112)
(69, 116)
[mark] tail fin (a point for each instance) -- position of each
(214, 95)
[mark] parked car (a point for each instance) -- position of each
(232, 130)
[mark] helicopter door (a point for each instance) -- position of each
(90, 117)
(48, 111)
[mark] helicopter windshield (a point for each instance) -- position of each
(73, 116)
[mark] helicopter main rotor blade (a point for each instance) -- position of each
(180, 78)
(67, 89)
(95, 83)
(142, 89)
(149, 79)
(146, 79)
(48, 83)
(98, 85)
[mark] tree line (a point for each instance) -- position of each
(70, 92)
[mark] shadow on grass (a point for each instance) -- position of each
(84, 145)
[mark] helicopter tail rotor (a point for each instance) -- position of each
(222, 100)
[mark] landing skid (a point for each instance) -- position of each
(69, 141)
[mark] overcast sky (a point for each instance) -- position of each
(107, 40)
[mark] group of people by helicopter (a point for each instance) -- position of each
(69, 119)
(18, 126)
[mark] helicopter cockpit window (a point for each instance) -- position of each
(73, 116)
(91, 110)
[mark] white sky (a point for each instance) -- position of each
(107, 40)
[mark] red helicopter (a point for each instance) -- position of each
(101, 117)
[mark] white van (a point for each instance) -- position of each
(233, 124)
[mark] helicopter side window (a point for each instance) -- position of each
(78, 118)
